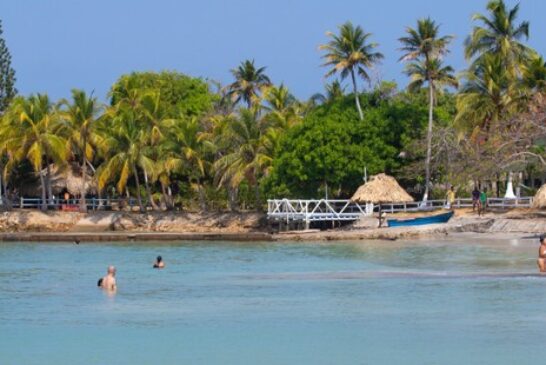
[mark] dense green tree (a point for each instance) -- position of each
(7, 75)
(350, 53)
(179, 94)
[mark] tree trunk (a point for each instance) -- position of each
(232, 199)
(149, 192)
(48, 183)
(43, 204)
(258, 200)
(166, 198)
(202, 197)
(429, 140)
(357, 99)
(137, 182)
(83, 202)
(1, 184)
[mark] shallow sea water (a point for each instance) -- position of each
(461, 300)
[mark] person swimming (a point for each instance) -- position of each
(541, 262)
(108, 282)
(159, 264)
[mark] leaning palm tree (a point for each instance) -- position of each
(81, 114)
(425, 48)
(350, 53)
(249, 80)
(36, 136)
(499, 34)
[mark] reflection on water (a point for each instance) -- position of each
(457, 301)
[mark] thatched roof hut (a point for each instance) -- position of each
(539, 201)
(63, 178)
(381, 189)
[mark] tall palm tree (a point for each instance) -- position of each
(424, 47)
(499, 34)
(36, 136)
(248, 157)
(350, 53)
(281, 106)
(82, 113)
(249, 80)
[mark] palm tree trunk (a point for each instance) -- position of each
(1, 171)
(258, 199)
(429, 140)
(232, 199)
(202, 197)
(48, 182)
(137, 182)
(43, 204)
(83, 202)
(357, 99)
(149, 192)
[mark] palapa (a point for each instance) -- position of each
(381, 188)
(539, 201)
(63, 178)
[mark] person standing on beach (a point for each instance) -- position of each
(541, 262)
(483, 202)
(108, 282)
(450, 198)
(475, 198)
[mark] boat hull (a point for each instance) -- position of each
(435, 219)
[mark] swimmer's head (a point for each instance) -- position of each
(542, 237)
(159, 259)
(111, 270)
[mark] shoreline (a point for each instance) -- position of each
(33, 226)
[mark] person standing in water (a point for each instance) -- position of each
(541, 262)
(108, 282)
(159, 264)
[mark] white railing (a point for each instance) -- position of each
(290, 210)
(73, 204)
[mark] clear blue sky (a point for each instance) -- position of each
(62, 44)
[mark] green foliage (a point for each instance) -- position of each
(179, 94)
(7, 75)
(332, 146)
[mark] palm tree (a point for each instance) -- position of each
(36, 126)
(81, 114)
(190, 152)
(281, 106)
(124, 144)
(534, 73)
(248, 157)
(249, 80)
(350, 53)
(334, 90)
(498, 34)
(425, 48)
(487, 95)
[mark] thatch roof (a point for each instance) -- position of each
(539, 201)
(381, 189)
(63, 178)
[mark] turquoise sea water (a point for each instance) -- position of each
(455, 301)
